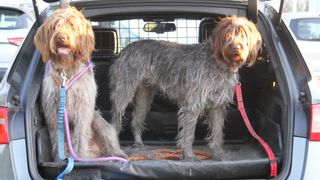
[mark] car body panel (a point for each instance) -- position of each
(307, 152)
(313, 161)
(15, 158)
(23, 164)
(6, 170)
(309, 47)
(298, 158)
(18, 156)
(7, 54)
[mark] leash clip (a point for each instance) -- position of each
(64, 78)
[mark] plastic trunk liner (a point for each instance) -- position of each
(246, 155)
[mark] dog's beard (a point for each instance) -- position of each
(63, 57)
(63, 53)
(233, 59)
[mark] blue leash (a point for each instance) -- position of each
(62, 103)
(62, 97)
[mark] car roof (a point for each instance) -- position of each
(11, 5)
(300, 15)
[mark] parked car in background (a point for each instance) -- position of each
(14, 26)
(306, 30)
(281, 100)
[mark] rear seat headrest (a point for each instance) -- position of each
(205, 28)
(107, 41)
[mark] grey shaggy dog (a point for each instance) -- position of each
(66, 41)
(200, 78)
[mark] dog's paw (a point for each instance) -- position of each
(189, 156)
(221, 155)
(116, 154)
(122, 154)
(140, 146)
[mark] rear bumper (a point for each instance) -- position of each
(313, 161)
(14, 160)
(305, 160)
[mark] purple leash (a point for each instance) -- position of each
(67, 130)
(73, 154)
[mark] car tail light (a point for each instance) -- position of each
(16, 40)
(315, 122)
(4, 133)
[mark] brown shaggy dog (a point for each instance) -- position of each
(66, 41)
(200, 78)
(235, 41)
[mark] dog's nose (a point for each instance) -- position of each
(62, 38)
(236, 47)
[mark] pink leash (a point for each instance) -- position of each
(268, 150)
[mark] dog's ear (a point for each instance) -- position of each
(217, 39)
(41, 42)
(86, 39)
(255, 43)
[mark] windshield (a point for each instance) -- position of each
(306, 29)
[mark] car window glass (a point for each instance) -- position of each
(307, 29)
(11, 19)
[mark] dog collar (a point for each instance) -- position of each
(51, 64)
(60, 80)
(225, 67)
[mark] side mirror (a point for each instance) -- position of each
(50, 1)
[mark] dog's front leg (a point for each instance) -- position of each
(215, 137)
(52, 126)
(82, 135)
(187, 124)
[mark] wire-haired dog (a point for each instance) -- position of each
(200, 78)
(66, 41)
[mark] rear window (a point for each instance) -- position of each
(13, 19)
(306, 29)
(180, 30)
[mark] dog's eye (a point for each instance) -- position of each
(73, 25)
(228, 36)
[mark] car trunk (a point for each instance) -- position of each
(265, 103)
(264, 106)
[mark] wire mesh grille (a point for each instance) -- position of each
(187, 31)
